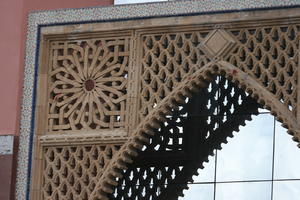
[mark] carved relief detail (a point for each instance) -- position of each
(217, 44)
(166, 61)
(270, 56)
(72, 171)
(88, 84)
(147, 128)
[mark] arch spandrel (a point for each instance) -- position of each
(269, 55)
(173, 65)
(191, 84)
(185, 140)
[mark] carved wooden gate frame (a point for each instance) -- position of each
(257, 50)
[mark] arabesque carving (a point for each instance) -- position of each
(73, 171)
(92, 81)
(167, 59)
(88, 81)
(270, 56)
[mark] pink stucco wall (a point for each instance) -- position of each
(10, 51)
(13, 14)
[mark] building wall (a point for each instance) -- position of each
(13, 20)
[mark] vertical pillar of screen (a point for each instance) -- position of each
(41, 122)
(133, 87)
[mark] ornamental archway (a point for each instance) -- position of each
(171, 161)
(104, 94)
(148, 129)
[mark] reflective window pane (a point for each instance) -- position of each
(198, 192)
(207, 174)
(244, 191)
(289, 190)
(263, 110)
(287, 155)
(248, 155)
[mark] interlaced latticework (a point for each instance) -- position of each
(166, 60)
(270, 56)
(72, 172)
(88, 82)
(184, 141)
(178, 121)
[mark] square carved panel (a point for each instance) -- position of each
(87, 84)
(218, 43)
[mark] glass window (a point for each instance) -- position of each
(244, 191)
(287, 155)
(208, 173)
(248, 155)
(289, 190)
(259, 162)
(198, 191)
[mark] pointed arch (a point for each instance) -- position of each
(186, 88)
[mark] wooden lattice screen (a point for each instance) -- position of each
(112, 105)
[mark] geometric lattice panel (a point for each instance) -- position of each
(270, 55)
(177, 93)
(167, 60)
(71, 172)
(267, 54)
(87, 84)
(179, 148)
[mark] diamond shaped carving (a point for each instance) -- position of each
(217, 44)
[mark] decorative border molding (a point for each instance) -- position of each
(37, 20)
(83, 139)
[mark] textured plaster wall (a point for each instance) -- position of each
(13, 20)
(10, 55)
